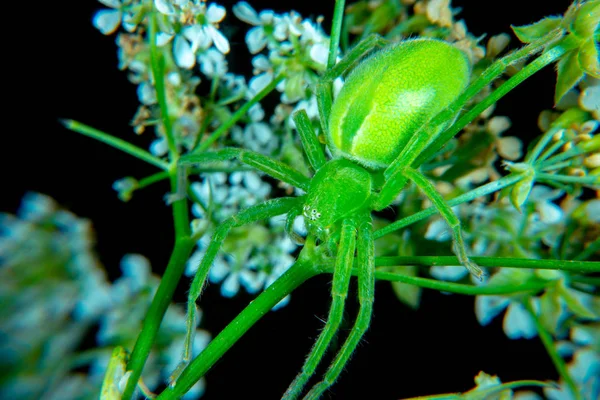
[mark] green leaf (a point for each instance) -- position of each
(550, 310)
(520, 191)
(588, 58)
(569, 73)
(573, 299)
(537, 30)
(407, 294)
(115, 373)
(587, 19)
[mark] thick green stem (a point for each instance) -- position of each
(294, 277)
(115, 142)
(548, 342)
(237, 115)
(158, 307)
(563, 265)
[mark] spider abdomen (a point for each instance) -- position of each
(391, 94)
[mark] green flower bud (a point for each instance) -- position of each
(390, 95)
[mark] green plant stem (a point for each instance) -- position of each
(158, 307)
(589, 251)
(460, 288)
(563, 265)
(471, 195)
(583, 180)
(152, 179)
(237, 115)
(180, 210)
(115, 142)
(548, 342)
(336, 27)
(302, 270)
(158, 72)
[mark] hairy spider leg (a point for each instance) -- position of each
(339, 292)
(274, 168)
(258, 212)
(400, 172)
(438, 201)
(289, 224)
(366, 296)
(349, 61)
(312, 148)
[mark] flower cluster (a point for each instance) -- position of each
(54, 291)
(253, 256)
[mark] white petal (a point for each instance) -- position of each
(163, 38)
(164, 7)
(107, 21)
(231, 286)
(221, 42)
(251, 281)
(550, 213)
(256, 113)
(215, 13)
(159, 147)
(219, 270)
(195, 34)
(261, 63)
(252, 181)
(111, 3)
(510, 147)
(246, 13)
(497, 125)
(592, 209)
(261, 132)
(448, 273)
(437, 230)
(488, 307)
(184, 56)
(319, 53)
(518, 323)
(256, 39)
(259, 82)
(146, 93)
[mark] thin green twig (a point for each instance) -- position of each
(548, 342)
(563, 265)
(237, 115)
(115, 142)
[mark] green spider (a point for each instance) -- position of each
(380, 122)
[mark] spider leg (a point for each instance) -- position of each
(350, 59)
(438, 201)
(339, 292)
(274, 168)
(366, 292)
(267, 209)
(289, 225)
(310, 143)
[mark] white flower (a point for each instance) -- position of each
(256, 38)
(193, 38)
(108, 21)
(517, 321)
(212, 63)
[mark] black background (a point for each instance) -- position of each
(57, 65)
